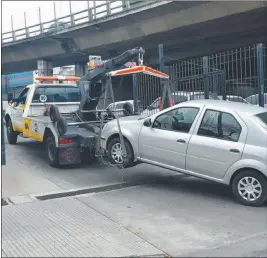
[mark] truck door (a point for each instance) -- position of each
(18, 109)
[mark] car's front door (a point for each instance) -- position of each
(217, 144)
(165, 142)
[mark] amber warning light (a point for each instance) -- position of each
(53, 78)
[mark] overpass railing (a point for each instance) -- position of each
(89, 15)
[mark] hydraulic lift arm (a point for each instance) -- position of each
(91, 84)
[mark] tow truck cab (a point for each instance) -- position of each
(26, 115)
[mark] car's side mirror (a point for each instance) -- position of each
(147, 122)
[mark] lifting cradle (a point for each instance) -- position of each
(108, 88)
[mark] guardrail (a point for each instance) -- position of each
(88, 15)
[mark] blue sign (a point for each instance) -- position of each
(16, 80)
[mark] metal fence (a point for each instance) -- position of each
(236, 75)
(89, 15)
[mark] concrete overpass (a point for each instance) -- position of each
(186, 29)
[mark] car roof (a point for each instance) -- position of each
(227, 106)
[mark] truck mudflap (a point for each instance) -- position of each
(69, 154)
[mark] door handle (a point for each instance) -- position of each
(181, 140)
(235, 150)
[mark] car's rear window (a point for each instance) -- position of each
(57, 94)
(262, 117)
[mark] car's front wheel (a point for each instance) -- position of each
(115, 153)
(250, 188)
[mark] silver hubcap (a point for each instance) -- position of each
(249, 188)
(117, 153)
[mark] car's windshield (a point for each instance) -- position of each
(57, 94)
(262, 117)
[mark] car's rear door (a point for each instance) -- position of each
(165, 142)
(217, 142)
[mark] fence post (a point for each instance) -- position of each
(205, 72)
(40, 21)
(90, 13)
(260, 74)
(135, 95)
(12, 28)
(72, 15)
(25, 25)
(164, 84)
(108, 8)
(94, 7)
(126, 4)
(55, 16)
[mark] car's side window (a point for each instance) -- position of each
(179, 119)
(23, 96)
(220, 125)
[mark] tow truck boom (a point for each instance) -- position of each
(91, 84)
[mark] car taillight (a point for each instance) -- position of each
(65, 140)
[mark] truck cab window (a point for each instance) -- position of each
(22, 96)
(57, 94)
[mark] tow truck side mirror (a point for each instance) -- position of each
(9, 97)
(14, 100)
(147, 122)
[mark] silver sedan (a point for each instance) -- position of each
(225, 142)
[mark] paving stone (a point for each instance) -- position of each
(66, 227)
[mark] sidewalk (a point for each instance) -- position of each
(66, 227)
(19, 181)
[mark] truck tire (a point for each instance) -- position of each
(114, 148)
(54, 113)
(61, 126)
(51, 151)
(127, 109)
(250, 188)
(12, 136)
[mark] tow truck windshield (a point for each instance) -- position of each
(57, 94)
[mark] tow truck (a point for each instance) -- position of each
(61, 112)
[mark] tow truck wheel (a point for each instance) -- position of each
(115, 153)
(12, 136)
(51, 151)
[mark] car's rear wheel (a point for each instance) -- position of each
(12, 136)
(115, 153)
(250, 188)
(51, 151)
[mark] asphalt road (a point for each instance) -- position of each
(180, 216)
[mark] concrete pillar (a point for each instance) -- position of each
(80, 69)
(44, 67)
